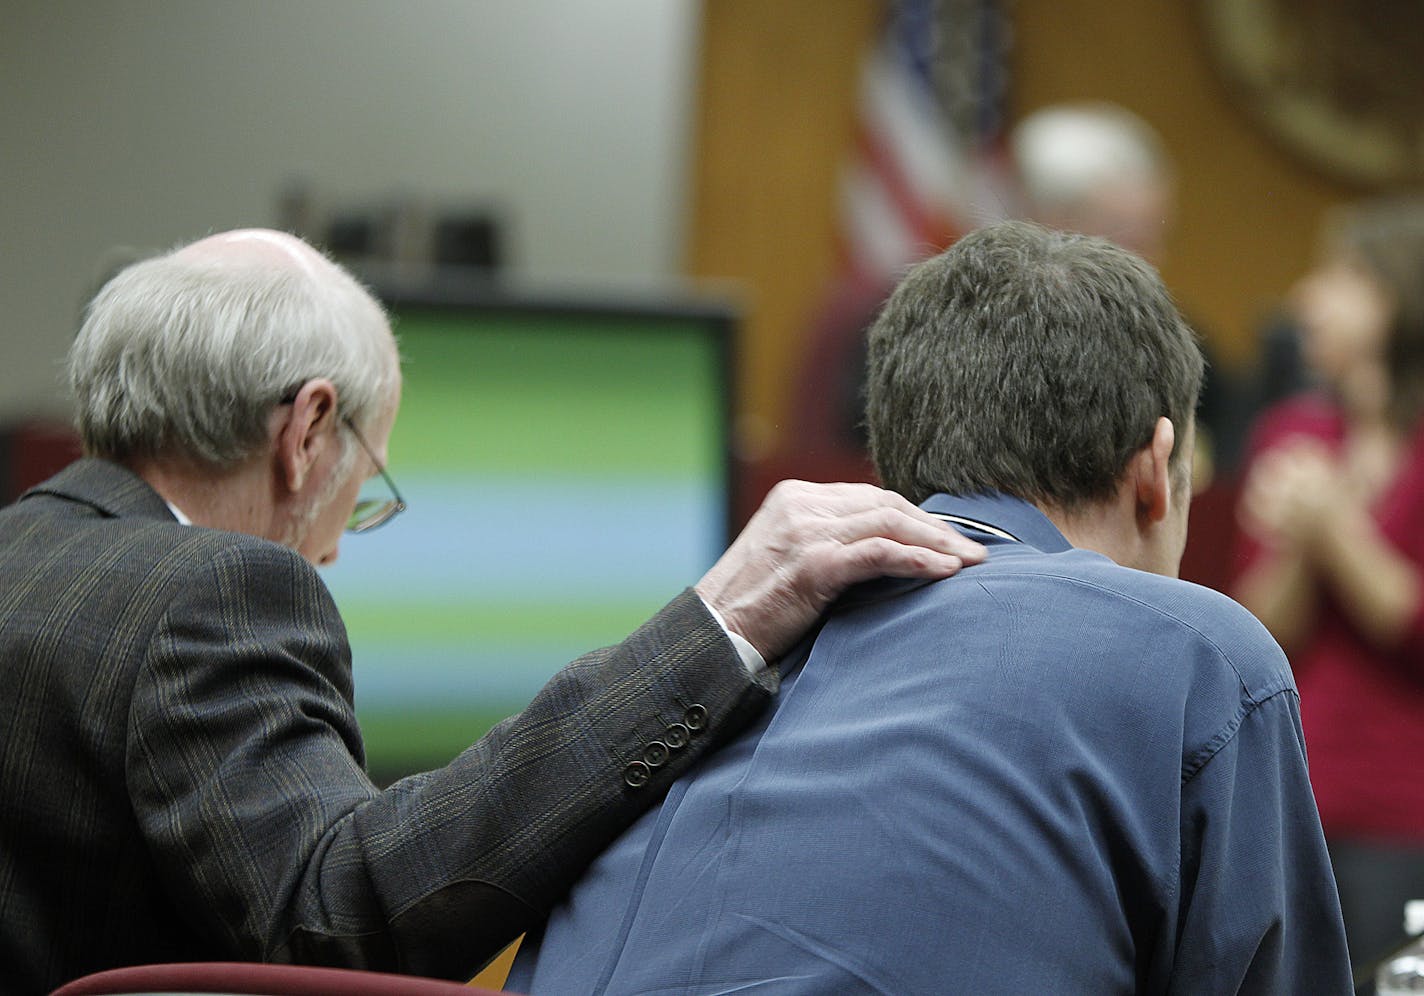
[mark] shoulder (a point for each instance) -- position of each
(195, 578)
(102, 521)
(1219, 626)
(239, 567)
(1201, 633)
(97, 528)
(242, 605)
(193, 551)
(1095, 653)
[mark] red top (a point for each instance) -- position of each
(1362, 707)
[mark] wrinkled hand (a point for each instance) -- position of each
(809, 542)
(1290, 491)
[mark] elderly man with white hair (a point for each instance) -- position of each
(1098, 169)
(181, 766)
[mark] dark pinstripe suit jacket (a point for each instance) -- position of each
(181, 773)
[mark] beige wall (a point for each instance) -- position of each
(148, 122)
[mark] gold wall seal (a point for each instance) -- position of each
(1339, 83)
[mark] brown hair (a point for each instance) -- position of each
(1026, 361)
(1386, 237)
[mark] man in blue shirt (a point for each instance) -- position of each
(1061, 771)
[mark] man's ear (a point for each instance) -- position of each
(1152, 473)
(307, 429)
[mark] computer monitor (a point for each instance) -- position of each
(567, 467)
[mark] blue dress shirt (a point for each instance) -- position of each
(1046, 774)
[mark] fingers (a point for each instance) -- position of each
(847, 513)
(1290, 492)
(910, 534)
(1259, 510)
(834, 568)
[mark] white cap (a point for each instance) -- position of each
(1414, 917)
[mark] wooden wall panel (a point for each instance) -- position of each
(775, 117)
(1247, 210)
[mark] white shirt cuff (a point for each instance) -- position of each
(751, 657)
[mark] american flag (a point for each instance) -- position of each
(925, 169)
(925, 165)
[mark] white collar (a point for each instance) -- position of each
(178, 513)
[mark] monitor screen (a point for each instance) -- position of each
(566, 466)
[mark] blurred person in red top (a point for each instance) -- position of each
(1332, 555)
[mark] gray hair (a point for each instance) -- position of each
(187, 356)
(1067, 153)
(1026, 361)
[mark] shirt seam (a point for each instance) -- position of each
(1253, 697)
(1203, 755)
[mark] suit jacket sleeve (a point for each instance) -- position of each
(1259, 910)
(246, 772)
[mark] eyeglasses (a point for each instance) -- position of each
(369, 512)
(372, 512)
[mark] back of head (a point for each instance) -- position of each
(186, 354)
(1026, 361)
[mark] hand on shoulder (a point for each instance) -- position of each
(809, 542)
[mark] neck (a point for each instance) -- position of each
(1111, 528)
(1090, 530)
(1363, 392)
(237, 499)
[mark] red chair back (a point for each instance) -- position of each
(245, 979)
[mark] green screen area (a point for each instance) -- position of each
(566, 476)
(533, 395)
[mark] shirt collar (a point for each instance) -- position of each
(108, 488)
(1023, 522)
(178, 513)
(1018, 518)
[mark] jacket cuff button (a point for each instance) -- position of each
(637, 773)
(655, 755)
(695, 718)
